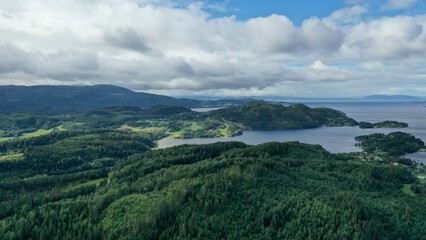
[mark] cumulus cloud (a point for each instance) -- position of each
(319, 65)
(272, 34)
(177, 47)
(321, 36)
(347, 15)
(392, 38)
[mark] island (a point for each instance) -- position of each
(384, 124)
(393, 144)
(259, 115)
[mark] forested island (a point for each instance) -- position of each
(259, 115)
(395, 144)
(384, 124)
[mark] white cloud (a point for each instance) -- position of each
(398, 4)
(392, 38)
(169, 46)
(321, 36)
(347, 15)
(373, 66)
(319, 65)
(272, 34)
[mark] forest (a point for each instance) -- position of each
(259, 115)
(395, 144)
(117, 189)
(97, 175)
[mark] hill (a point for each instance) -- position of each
(61, 99)
(217, 191)
(159, 121)
(267, 116)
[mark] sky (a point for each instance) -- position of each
(222, 48)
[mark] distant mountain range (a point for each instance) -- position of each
(395, 98)
(62, 99)
(371, 98)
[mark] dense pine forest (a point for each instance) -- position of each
(223, 190)
(97, 175)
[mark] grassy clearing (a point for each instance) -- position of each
(13, 156)
(60, 128)
(190, 128)
(407, 190)
(130, 128)
(200, 129)
(37, 133)
(4, 139)
(95, 182)
(226, 132)
(178, 134)
(422, 178)
(356, 161)
(143, 130)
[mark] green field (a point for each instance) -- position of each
(4, 139)
(13, 156)
(130, 128)
(95, 182)
(407, 190)
(226, 131)
(196, 129)
(143, 129)
(190, 128)
(39, 132)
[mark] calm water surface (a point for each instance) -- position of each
(336, 139)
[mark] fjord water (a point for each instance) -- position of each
(336, 139)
